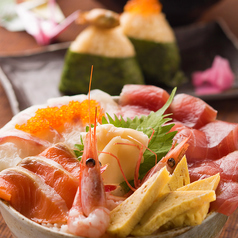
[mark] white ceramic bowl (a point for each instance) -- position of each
(22, 227)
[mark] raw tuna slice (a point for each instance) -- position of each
(191, 111)
(54, 175)
(226, 166)
(146, 96)
(61, 154)
(131, 111)
(227, 191)
(222, 138)
(227, 198)
(197, 149)
(29, 195)
(213, 141)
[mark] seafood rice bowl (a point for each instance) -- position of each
(102, 166)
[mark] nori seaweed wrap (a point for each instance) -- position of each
(109, 51)
(154, 42)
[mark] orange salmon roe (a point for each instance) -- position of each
(143, 6)
(56, 116)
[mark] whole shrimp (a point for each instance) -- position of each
(89, 216)
(170, 160)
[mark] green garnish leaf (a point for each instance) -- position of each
(79, 149)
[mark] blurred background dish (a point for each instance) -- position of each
(12, 43)
(198, 46)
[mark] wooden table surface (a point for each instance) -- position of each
(20, 42)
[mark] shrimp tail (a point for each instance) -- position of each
(94, 225)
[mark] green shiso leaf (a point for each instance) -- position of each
(162, 139)
(79, 149)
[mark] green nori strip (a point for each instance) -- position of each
(109, 74)
(160, 62)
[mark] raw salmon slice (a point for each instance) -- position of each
(191, 111)
(29, 195)
(54, 175)
(61, 154)
(146, 96)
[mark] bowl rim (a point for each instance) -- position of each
(171, 233)
(24, 219)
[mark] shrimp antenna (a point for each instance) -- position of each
(95, 120)
(90, 82)
(89, 104)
